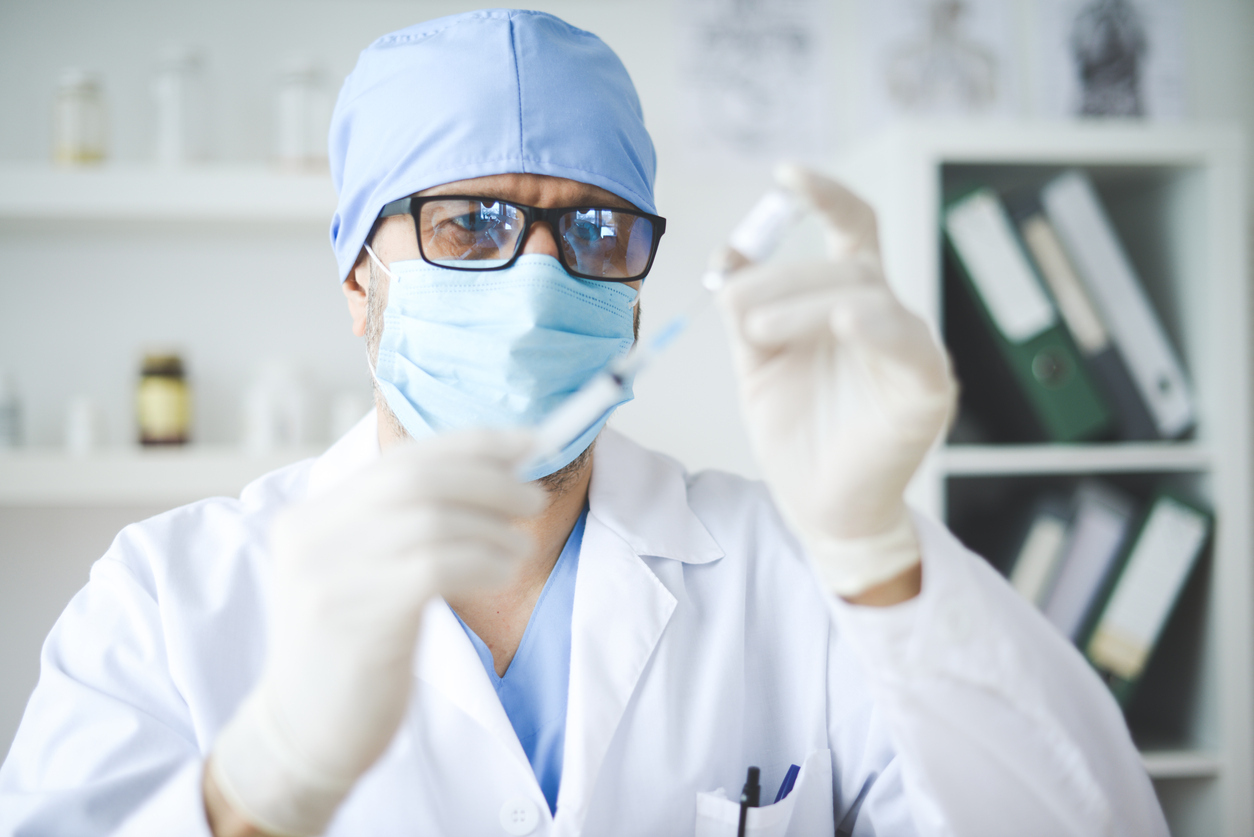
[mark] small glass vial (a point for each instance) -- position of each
(78, 135)
(163, 404)
(755, 237)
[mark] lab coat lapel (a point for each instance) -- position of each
(447, 661)
(637, 506)
(620, 612)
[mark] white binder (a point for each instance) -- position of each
(1081, 223)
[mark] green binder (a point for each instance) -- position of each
(1126, 624)
(1016, 310)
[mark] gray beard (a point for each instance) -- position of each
(556, 483)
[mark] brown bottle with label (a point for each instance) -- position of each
(163, 401)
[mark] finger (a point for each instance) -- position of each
(896, 344)
(796, 319)
(468, 566)
(508, 447)
(450, 524)
(849, 221)
(761, 284)
(430, 528)
(491, 486)
(875, 321)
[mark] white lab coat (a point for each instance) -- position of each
(701, 644)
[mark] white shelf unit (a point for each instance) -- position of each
(134, 195)
(1176, 196)
(49, 478)
(210, 192)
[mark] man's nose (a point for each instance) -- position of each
(540, 240)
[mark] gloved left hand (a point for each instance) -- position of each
(843, 390)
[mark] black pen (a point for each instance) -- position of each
(749, 798)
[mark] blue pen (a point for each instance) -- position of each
(790, 779)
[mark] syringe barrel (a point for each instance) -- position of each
(575, 415)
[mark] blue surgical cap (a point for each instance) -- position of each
(489, 92)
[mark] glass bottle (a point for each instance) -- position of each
(78, 135)
(163, 403)
(302, 116)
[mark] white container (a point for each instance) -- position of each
(274, 410)
(303, 116)
(178, 91)
(78, 119)
(83, 426)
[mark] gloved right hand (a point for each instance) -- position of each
(353, 571)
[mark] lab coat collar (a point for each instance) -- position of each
(642, 497)
(639, 495)
(354, 450)
(638, 506)
(448, 661)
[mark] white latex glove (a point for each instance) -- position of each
(843, 391)
(353, 570)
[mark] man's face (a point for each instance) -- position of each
(395, 239)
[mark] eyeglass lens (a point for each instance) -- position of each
(483, 234)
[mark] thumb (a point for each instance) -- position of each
(848, 221)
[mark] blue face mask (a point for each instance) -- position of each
(499, 348)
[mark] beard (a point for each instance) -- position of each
(556, 483)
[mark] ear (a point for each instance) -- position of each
(354, 288)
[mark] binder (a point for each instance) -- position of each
(1080, 314)
(1041, 550)
(1100, 525)
(1094, 250)
(1157, 566)
(1017, 312)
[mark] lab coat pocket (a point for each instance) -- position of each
(806, 810)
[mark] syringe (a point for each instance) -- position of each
(590, 402)
(752, 240)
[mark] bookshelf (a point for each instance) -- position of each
(1175, 195)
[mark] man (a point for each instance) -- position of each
(401, 637)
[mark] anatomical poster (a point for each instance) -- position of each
(938, 58)
(754, 76)
(1111, 59)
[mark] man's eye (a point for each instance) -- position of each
(585, 232)
(474, 222)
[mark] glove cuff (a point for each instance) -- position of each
(267, 781)
(849, 566)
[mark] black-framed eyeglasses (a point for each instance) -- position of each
(470, 232)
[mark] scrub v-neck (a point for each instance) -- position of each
(533, 688)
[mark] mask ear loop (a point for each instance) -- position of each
(378, 261)
(370, 363)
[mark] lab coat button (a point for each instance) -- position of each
(519, 816)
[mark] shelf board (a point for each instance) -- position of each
(132, 476)
(1120, 457)
(1180, 764)
(208, 192)
(1059, 142)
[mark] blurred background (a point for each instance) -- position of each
(167, 277)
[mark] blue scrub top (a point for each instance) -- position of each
(533, 690)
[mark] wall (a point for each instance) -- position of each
(77, 303)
